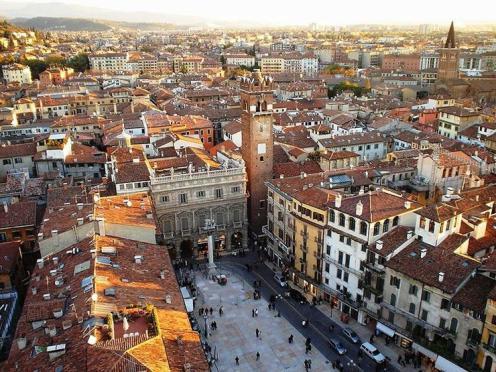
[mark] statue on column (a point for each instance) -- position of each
(210, 228)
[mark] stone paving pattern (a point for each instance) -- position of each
(236, 336)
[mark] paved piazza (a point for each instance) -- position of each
(236, 335)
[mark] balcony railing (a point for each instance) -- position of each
(489, 348)
(346, 268)
(279, 241)
(197, 175)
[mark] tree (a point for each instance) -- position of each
(79, 63)
(37, 66)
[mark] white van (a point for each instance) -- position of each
(372, 352)
(280, 279)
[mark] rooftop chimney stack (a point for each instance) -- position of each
(423, 252)
(359, 208)
(379, 244)
(338, 200)
(441, 276)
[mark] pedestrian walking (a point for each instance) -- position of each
(306, 365)
(211, 311)
(237, 360)
(308, 341)
(257, 332)
(200, 311)
(253, 313)
(290, 339)
(256, 312)
(260, 335)
(221, 310)
(309, 363)
(258, 355)
(371, 338)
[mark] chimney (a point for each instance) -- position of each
(162, 274)
(409, 234)
(423, 252)
(441, 277)
(101, 226)
(378, 245)
(359, 208)
(40, 263)
(338, 200)
(477, 197)
(408, 204)
(80, 221)
(21, 343)
(55, 260)
(281, 176)
(34, 290)
(79, 206)
(449, 191)
(6, 207)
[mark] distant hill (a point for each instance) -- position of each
(60, 24)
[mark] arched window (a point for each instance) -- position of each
(453, 325)
(385, 226)
(396, 220)
(393, 300)
(363, 228)
(411, 309)
(432, 225)
(332, 216)
(351, 223)
(377, 228)
(341, 219)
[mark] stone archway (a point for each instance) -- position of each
(186, 249)
(236, 243)
(488, 364)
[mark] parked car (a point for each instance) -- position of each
(280, 279)
(351, 335)
(337, 345)
(372, 352)
(297, 296)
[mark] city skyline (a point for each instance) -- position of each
(321, 12)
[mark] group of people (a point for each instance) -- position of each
(205, 311)
(308, 364)
(410, 357)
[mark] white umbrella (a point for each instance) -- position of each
(125, 324)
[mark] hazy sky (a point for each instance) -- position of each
(319, 11)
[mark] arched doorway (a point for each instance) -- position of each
(186, 250)
(236, 241)
(488, 364)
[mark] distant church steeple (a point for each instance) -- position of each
(450, 41)
(448, 58)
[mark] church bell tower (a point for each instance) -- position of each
(257, 144)
(448, 58)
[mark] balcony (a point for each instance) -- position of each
(279, 241)
(168, 235)
(415, 320)
(489, 348)
(340, 265)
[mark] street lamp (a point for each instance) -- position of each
(205, 317)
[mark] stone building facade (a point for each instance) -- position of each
(183, 202)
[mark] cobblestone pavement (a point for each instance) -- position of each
(236, 331)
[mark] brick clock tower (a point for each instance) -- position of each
(448, 58)
(257, 144)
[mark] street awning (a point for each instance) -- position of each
(422, 350)
(445, 365)
(189, 304)
(384, 329)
